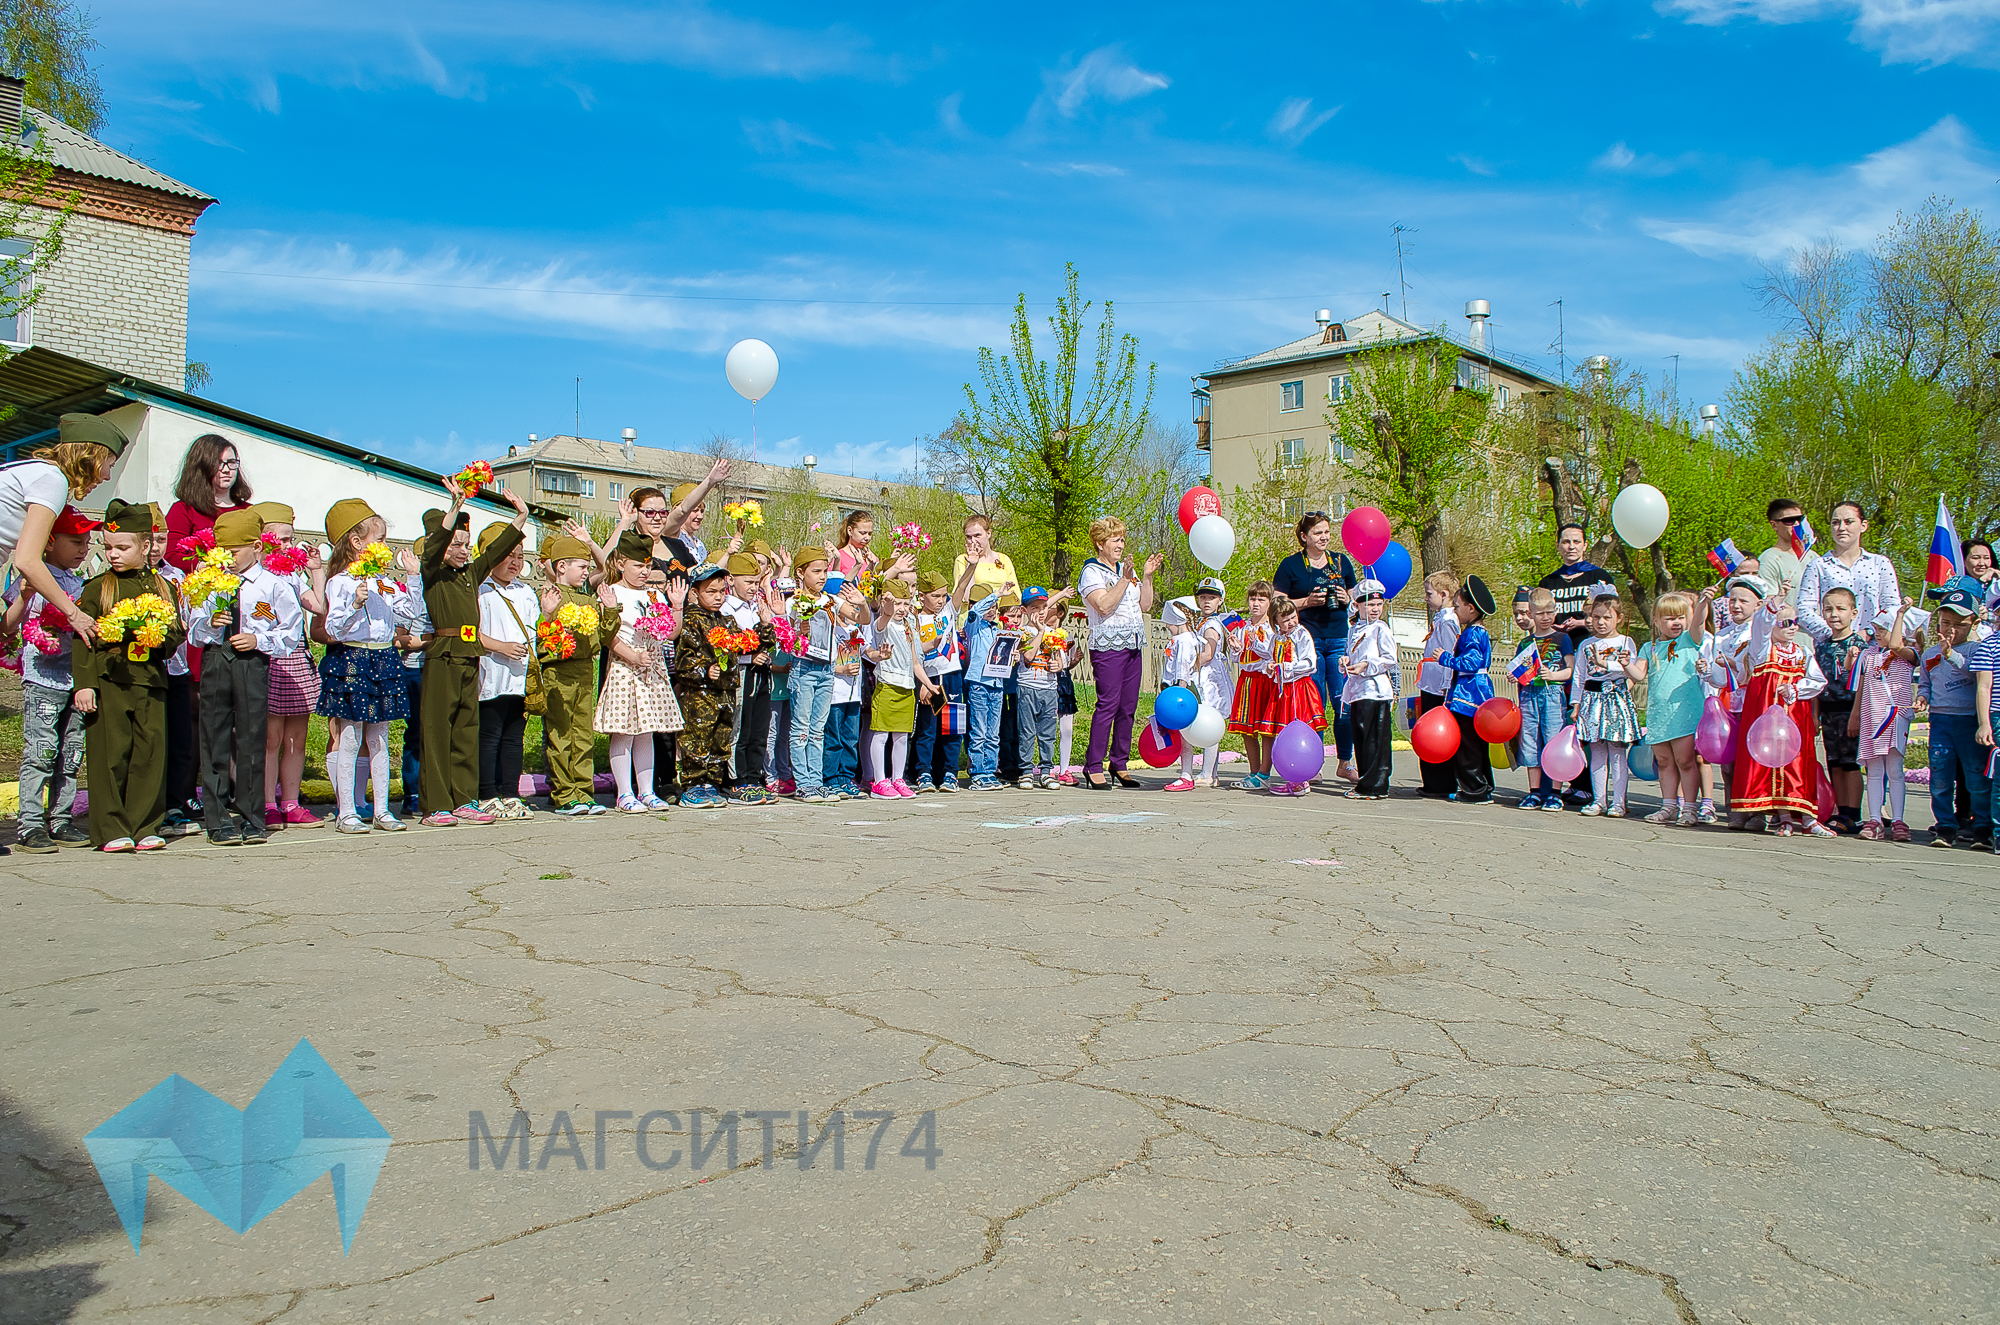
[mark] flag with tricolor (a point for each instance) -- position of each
(1889, 721)
(1803, 537)
(1725, 558)
(1527, 666)
(1947, 563)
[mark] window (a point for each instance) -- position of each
(1295, 508)
(1336, 506)
(556, 480)
(1291, 396)
(617, 492)
(1339, 387)
(589, 487)
(1472, 376)
(1338, 450)
(13, 263)
(501, 483)
(1292, 452)
(1500, 394)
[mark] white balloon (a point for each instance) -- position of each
(1639, 514)
(1208, 725)
(752, 367)
(1213, 543)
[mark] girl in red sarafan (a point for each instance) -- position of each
(1779, 671)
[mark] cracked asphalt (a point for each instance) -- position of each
(1502, 1064)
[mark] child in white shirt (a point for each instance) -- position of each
(1370, 696)
(1188, 657)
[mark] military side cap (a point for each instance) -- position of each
(93, 429)
(159, 516)
(1010, 599)
(806, 556)
(929, 582)
(680, 493)
(237, 528)
(563, 547)
(762, 549)
(492, 532)
(275, 512)
(896, 588)
(125, 517)
(742, 563)
(634, 546)
(434, 519)
(344, 515)
(1479, 595)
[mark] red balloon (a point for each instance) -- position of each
(1153, 751)
(1497, 720)
(1435, 737)
(1365, 534)
(1197, 502)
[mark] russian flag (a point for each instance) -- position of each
(1725, 558)
(1527, 667)
(1946, 561)
(1803, 537)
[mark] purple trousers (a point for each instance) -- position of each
(1116, 674)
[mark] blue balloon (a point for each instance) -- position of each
(1642, 763)
(1392, 568)
(1175, 708)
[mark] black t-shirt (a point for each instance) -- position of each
(680, 560)
(1574, 587)
(1296, 580)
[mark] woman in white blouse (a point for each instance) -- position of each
(33, 493)
(1116, 597)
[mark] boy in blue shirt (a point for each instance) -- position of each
(1471, 687)
(986, 683)
(1948, 688)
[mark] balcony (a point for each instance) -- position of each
(1201, 434)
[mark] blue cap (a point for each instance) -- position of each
(1034, 593)
(835, 582)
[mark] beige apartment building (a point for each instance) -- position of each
(1271, 407)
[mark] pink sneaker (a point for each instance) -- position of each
(1180, 784)
(786, 787)
(884, 791)
(298, 816)
(1067, 779)
(903, 788)
(440, 819)
(1279, 788)
(469, 813)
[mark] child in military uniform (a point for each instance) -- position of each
(121, 688)
(452, 576)
(570, 681)
(706, 692)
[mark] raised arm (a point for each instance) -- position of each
(677, 517)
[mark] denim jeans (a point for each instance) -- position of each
(812, 694)
(1544, 712)
(1330, 649)
(51, 751)
(1035, 717)
(982, 713)
(1955, 758)
(843, 743)
(934, 758)
(778, 743)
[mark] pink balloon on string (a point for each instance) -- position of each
(1774, 740)
(1715, 734)
(1563, 758)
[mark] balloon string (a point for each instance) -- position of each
(753, 432)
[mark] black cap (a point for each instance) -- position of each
(1523, 594)
(1479, 595)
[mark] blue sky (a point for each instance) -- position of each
(434, 217)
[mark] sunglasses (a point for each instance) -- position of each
(1788, 519)
(652, 512)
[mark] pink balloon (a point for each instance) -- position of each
(1563, 758)
(1774, 740)
(1715, 735)
(1365, 534)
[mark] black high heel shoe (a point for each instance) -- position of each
(1118, 776)
(1093, 784)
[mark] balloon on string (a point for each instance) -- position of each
(1715, 734)
(1640, 760)
(1197, 502)
(752, 368)
(1298, 753)
(1435, 737)
(1206, 729)
(1563, 758)
(1497, 720)
(1175, 708)
(1392, 568)
(1365, 534)
(1212, 541)
(1774, 740)
(1639, 514)
(1159, 747)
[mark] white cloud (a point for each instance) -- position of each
(1096, 168)
(1474, 164)
(949, 119)
(1622, 159)
(1851, 205)
(1295, 122)
(779, 137)
(1922, 32)
(1104, 73)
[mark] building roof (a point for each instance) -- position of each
(1371, 330)
(671, 467)
(74, 150)
(42, 385)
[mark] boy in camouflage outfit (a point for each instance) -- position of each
(706, 692)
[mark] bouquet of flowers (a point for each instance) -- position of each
(554, 639)
(472, 478)
(1055, 642)
(908, 538)
(750, 512)
(46, 630)
(375, 559)
(202, 540)
(213, 585)
(728, 643)
(656, 625)
(792, 636)
(280, 559)
(147, 617)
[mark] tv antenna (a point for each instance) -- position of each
(1400, 230)
(1562, 363)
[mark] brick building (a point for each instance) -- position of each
(118, 294)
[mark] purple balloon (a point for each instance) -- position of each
(1715, 735)
(1774, 740)
(1563, 758)
(1298, 753)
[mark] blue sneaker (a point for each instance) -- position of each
(1531, 801)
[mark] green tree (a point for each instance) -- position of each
(33, 215)
(47, 43)
(1058, 442)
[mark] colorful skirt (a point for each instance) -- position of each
(294, 684)
(1300, 702)
(1256, 699)
(630, 705)
(1607, 715)
(360, 685)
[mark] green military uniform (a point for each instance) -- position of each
(572, 689)
(708, 707)
(125, 739)
(450, 774)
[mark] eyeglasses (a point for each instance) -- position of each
(652, 512)
(221, 465)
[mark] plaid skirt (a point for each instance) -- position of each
(294, 684)
(363, 685)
